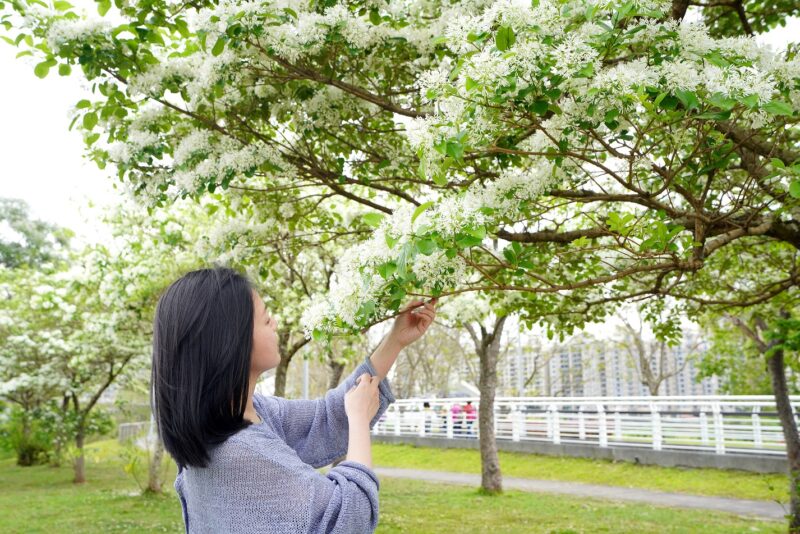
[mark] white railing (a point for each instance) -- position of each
(128, 431)
(720, 424)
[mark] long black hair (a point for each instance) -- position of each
(202, 343)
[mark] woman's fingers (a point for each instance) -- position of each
(412, 305)
(362, 380)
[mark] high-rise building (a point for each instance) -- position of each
(587, 367)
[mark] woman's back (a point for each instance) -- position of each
(264, 479)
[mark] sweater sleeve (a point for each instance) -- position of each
(352, 505)
(318, 429)
(280, 493)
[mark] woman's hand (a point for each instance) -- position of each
(362, 401)
(412, 323)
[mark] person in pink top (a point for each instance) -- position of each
(471, 415)
(455, 411)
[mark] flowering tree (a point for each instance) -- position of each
(675, 138)
(289, 258)
(31, 322)
(30, 242)
(69, 334)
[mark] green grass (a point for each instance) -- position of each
(717, 482)
(44, 499)
(409, 506)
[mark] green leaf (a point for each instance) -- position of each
(505, 38)
(83, 104)
(420, 209)
(751, 101)
(387, 269)
(470, 84)
(90, 120)
(373, 219)
(103, 6)
(439, 179)
(41, 69)
(776, 107)
(777, 163)
(721, 101)
(64, 69)
(426, 246)
(586, 72)
(390, 241)
(540, 107)
(794, 189)
(219, 46)
(688, 99)
(375, 17)
(455, 150)
(478, 233)
(61, 5)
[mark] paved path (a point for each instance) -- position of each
(761, 509)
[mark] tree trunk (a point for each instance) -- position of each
(80, 471)
(280, 375)
(679, 8)
(154, 482)
(336, 369)
(777, 371)
(488, 348)
(25, 453)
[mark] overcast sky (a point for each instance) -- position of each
(43, 163)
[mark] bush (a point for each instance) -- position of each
(43, 434)
(26, 436)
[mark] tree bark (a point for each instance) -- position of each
(777, 371)
(488, 349)
(154, 482)
(283, 366)
(336, 369)
(280, 375)
(80, 471)
(679, 8)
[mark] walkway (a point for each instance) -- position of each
(761, 509)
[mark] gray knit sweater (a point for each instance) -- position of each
(263, 479)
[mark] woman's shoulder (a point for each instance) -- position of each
(256, 439)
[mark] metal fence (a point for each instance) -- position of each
(129, 431)
(719, 424)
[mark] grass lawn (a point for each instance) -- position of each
(718, 482)
(43, 499)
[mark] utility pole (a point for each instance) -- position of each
(520, 378)
(305, 378)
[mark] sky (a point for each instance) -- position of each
(43, 161)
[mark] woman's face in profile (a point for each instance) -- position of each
(265, 338)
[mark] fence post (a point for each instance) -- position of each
(515, 424)
(423, 422)
(719, 428)
(581, 424)
(617, 426)
(396, 421)
(602, 428)
(556, 425)
(758, 440)
(656, 416)
(703, 428)
(449, 421)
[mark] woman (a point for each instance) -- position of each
(247, 462)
